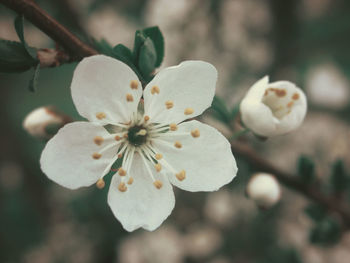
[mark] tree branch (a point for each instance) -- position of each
(293, 182)
(31, 11)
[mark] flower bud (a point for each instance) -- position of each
(264, 189)
(44, 122)
(271, 109)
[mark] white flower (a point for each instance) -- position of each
(157, 148)
(271, 109)
(264, 189)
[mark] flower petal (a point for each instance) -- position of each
(142, 204)
(102, 90)
(67, 157)
(190, 85)
(207, 159)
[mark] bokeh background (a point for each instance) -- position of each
(304, 41)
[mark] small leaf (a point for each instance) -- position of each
(19, 30)
(339, 179)
(156, 36)
(326, 232)
(34, 81)
(140, 38)
(147, 58)
(103, 47)
(316, 212)
(306, 169)
(220, 109)
(14, 57)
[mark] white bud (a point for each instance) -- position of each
(271, 109)
(264, 189)
(37, 121)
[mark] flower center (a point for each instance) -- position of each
(280, 101)
(137, 135)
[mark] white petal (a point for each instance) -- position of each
(207, 160)
(67, 157)
(191, 84)
(100, 85)
(256, 92)
(142, 205)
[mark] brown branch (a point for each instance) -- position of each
(36, 15)
(292, 182)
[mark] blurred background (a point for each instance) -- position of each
(304, 41)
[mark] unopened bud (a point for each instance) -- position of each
(264, 189)
(44, 122)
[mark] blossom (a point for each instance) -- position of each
(156, 148)
(264, 189)
(270, 109)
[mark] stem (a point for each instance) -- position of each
(38, 17)
(238, 134)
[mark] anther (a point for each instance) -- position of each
(146, 118)
(120, 155)
(159, 156)
(121, 172)
(178, 145)
(295, 96)
(122, 187)
(181, 175)
(173, 127)
(100, 115)
(158, 167)
(195, 133)
(134, 84)
(188, 111)
(169, 104)
(100, 183)
(158, 184)
(98, 140)
(129, 98)
(290, 104)
(131, 180)
(155, 89)
(280, 92)
(96, 156)
(117, 138)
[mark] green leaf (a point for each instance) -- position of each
(19, 30)
(327, 232)
(34, 81)
(339, 179)
(156, 36)
(220, 109)
(316, 212)
(147, 58)
(103, 47)
(14, 57)
(140, 38)
(306, 169)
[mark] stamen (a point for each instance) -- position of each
(169, 104)
(173, 127)
(158, 156)
(290, 104)
(280, 92)
(122, 187)
(129, 98)
(125, 135)
(188, 111)
(295, 96)
(134, 84)
(158, 184)
(158, 167)
(120, 155)
(146, 118)
(130, 181)
(100, 115)
(178, 145)
(155, 89)
(117, 138)
(142, 132)
(181, 175)
(121, 172)
(96, 156)
(195, 133)
(98, 140)
(100, 183)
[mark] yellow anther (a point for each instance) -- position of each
(122, 187)
(181, 175)
(295, 96)
(173, 127)
(146, 118)
(100, 115)
(131, 180)
(188, 111)
(155, 89)
(159, 156)
(158, 167)
(98, 140)
(142, 132)
(290, 104)
(96, 156)
(120, 155)
(134, 84)
(195, 133)
(178, 145)
(117, 138)
(121, 172)
(280, 92)
(158, 184)
(100, 183)
(169, 104)
(129, 98)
